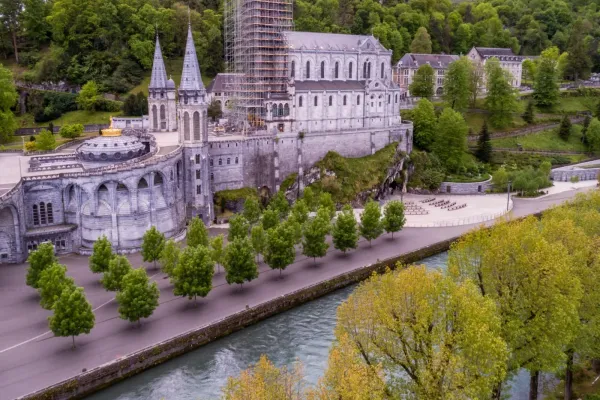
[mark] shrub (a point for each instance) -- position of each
(30, 146)
(71, 131)
(574, 179)
(45, 141)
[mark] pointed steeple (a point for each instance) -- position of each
(191, 80)
(158, 80)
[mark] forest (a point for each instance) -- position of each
(112, 41)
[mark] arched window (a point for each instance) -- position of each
(293, 69)
(280, 113)
(382, 70)
(211, 162)
(158, 179)
(142, 184)
(236, 160)
(42, 213)
(155, 117)
(316, 101)
(286, 110)
(36, 215)
(396, 100)
(389, 99)
(337, 70)
(369, 70)
(330, 100)
(365, 70)
(322, 69)
(350, 70)
(228, 161)
(308, 70)
(300, 101)
(212, 177)
(196, 125)
(163, 118)
(220, 161)
(344, 99)
(274, 110)
(186, 126)
(358, 100)
(50, 213)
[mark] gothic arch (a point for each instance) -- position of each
(197, 126)
(186, 126)
(154, 117)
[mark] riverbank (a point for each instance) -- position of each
(42, 360)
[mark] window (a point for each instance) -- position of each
(198, 189)
(337, 70)
(186, 126)
(316, 101)
(36, 215)
(196, 125)
(220, 161)
(198, 175)
(155, 117)
(228, 161)
(365, 70)
(293, 69)
(330, 100)
(211, 162)
(197, 158)
(163, 118)
(382, 70)
(350, 70)
(396, 98)
(389, 98)
(344, 99)
(369, 70)
(212, 177)
(300, 101)
(236, 160)
(42, 213)
(286, 109)
(50, 213)
(358, 100)
(322, 69)
(308, 70)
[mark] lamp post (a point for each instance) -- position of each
(508, 195)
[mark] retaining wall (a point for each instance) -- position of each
(465, 188)
(584, 174)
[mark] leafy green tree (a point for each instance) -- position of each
(251, 210)
(300, 211)
(258, 238)
(315, 230)
(451, 141)
(371, 226)
(425, 124)
(240, 265)
(38, 260)
(89, 97)
(118, 267)
(584, 129)
(578, 60)
(137, 298)
(484, 144)
(71, 131)
(545, 86)
(8, 98)
(529, 114)
(217, 252)
(564, 130)
(393, 217)
(270, 219)
(73, 314)
(421, 44)
(53, 280)
(280, 204)
(423, 82)
(193, 274)
(326, 202)
(45, 141)
(153, 244)
(279, 251)
(238, 227)
(214, 110)
(197, 235)
(345, 230)
(101, 255)
(593, 135)
(294, 226)
(457, 90)
(308, 195)
(501, 99)
(169, 257)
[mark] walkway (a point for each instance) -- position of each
(31, 358)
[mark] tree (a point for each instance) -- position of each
(421, 44)
(38, 260)
(279, 252)
(393, 217)
(484, 145)
(564, 131)
(258, 238)
(72, 314)
(71, 131)
(214, 110)
(280, 204)
(308, 195)
(251, 210)
(194, 273)
(153, 244)
(371, 226)
(118, 267)
(545, 86)
(326, 202)
(89, 97)
(425, 124)
(240, 265)
(216, 250)
(593, 135)
(578, 60)
(501, 99)
(8, 98)
(529, 115)
(138, 298)
(457, 90)
(197, 235)
(169, 257)
(45, 141)
(587, 120)
(300, 211)
(507, 263)
(450, 144)
(10, 12)
(476, 82)
(423, 82)
(53, 280)
(345, 230)
(270, 219)
(314, 234)
(428, 334)
(238, 227)
(101, 255)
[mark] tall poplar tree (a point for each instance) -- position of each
(545, 85)
(501, 99)
(457, 91)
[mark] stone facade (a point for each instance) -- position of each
(465, 188)
(407, 66)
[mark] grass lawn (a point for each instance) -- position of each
(17, 143)
(72, 117)
(475, 122)
(174, 68)
(466, 179)
(546, 140)
(535, 160)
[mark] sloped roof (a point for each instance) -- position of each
(158, 79)
(437, 61)
(331, 41)
(191, 80)
(222, 82)
(494, 52)
(303, 86)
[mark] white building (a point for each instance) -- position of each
(509, 62)
(408, 65)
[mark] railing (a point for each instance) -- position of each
(475, 219)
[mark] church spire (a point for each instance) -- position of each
(191, 80)
(158, 79)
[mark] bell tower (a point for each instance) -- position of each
(162, 106)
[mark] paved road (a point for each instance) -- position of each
(31, 358)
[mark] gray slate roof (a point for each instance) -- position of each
(304, 86)
(191, 80)
(494, 52)
(330, 41)
(158, 79)
(437, 61)
(222, 83)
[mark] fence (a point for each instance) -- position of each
(475, 219)
(35, 131)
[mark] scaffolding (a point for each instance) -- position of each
(256, 50)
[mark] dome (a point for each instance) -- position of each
(170, 84)
(110, 148)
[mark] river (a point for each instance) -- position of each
(304, 333)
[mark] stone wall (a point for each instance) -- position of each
(465, 188)
(584, 174)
